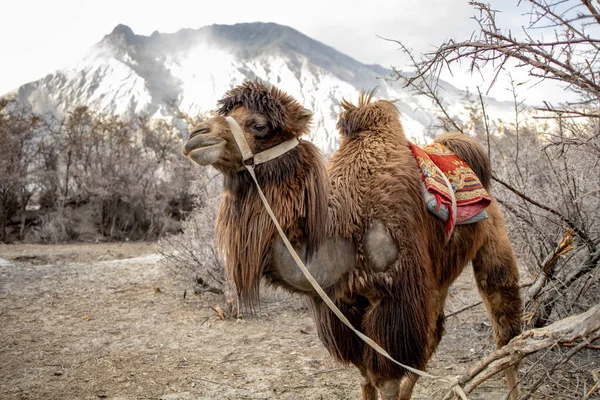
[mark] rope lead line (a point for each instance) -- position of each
(321, 292)
(247, 154)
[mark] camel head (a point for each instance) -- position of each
(266, 115)
(367, 116)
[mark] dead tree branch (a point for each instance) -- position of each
(583, 344)
(547, 268)
(570, 58)
(584, 327)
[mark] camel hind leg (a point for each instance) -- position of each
(497, 278)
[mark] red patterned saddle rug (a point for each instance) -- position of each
(452, 190)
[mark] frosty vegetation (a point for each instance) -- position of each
(89, 176)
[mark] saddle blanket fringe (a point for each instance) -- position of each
(471, 197)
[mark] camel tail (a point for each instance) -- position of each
(467, 149)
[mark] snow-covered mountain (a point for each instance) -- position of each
(127, 73)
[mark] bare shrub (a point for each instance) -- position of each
(89, 176)
(193, 254)
(18, 131)
(53, 227)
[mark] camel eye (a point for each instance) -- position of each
(260, 127)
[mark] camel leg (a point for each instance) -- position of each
(367, 389)
(408, 382)
(406, 386)
(497, 278)
(389, 390)
(341, 342)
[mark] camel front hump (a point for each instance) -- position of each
(379, 246)
(333, 259)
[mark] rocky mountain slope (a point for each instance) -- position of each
(127, 73)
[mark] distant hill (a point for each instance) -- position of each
(127, 73)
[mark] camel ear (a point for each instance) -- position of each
(304, 116)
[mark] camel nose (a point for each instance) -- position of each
(199, 130)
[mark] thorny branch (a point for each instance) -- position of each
(570, 58)
(427, 89)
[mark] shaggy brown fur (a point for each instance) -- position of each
(281, 109)
(296, 186)
(372, 176)
(244, 230)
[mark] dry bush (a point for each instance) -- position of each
(547, 192)
(89, 176)
(193, 254)
(53, 227)
(18, 132)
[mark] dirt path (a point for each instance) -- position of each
(110, 321)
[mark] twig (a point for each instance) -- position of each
(528, 199)
(463, 309)
(592, 390)
(565, 113)
(486, 122)
(452, 314)
(430, 92)
(566, 358)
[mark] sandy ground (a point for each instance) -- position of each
(90, 321)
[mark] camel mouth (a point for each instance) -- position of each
(198, 131)
(197, 141)
(204, 151)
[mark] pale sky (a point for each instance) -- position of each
(38, 37)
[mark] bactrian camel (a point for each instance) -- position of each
(359, 224)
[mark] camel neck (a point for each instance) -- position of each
(296, 187)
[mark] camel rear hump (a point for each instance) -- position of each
(471, 152)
